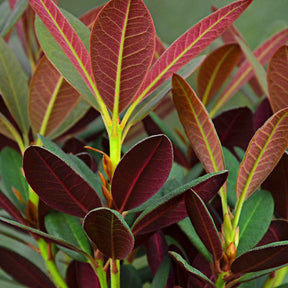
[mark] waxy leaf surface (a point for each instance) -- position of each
(23, 270)
(197, 125)
(51, 99)
(246, 72)
(263, 153)
(190, 44)
(109, 232)
(277, 75)
(203, 224)
(262, 258)
(215, 70)
(58, 185)
(122, 46)
(142, 172)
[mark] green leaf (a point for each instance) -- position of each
(13, 86)
(68, 228)
(162, 274)
(255, 219)
(11, 173)
(129, 277)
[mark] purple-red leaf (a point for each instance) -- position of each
(122, 47)
(262, 258)
(23, 270)
(263, 153)
(277, 75)
(109, 232)
(197, 125)
(203, 224)
(190, 44)
(142, 172)
(215, 70)
(57, 184)
(89, 18)
(51, 99)
(246, 72)
(262, 114)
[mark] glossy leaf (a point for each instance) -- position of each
(203, 224)
(262, 258)
(277, 184)
(23, 270)
(109, 232)
(197, 125)
(14, 16)
(13, 86)
(51, 99)
(142, 172)
(255, 219)
(216, 69)
(263, 53)
(63, 189)
(81, 275)
(277, 79)
(60, 60)
(264, 151)
(190, 270)
(170, 208)
(190, 44)
(68, 228)
(7, 129)
(127, 28)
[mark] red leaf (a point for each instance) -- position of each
(122, 46)
(89, 18)
(246, 71)
(277, 75)
(203, 224)
(262, 258)
(197, 125)
(109, 232)
(142, 172)
(216, 69)
(57, 184)
(159, 50)
(190, 44)
(262, 114)
(23, 270)
(264, 151)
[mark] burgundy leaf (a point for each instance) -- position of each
(235, 128)
(81, 275)
(109, 232)
(23, 270)
(57, 184)
(262, 114)
(122, 46)
(159, 50)
(277, 74)
(89, 17)
(142, 172)
(262, 258)
(277, 184)
(190, 44)
(203, 224)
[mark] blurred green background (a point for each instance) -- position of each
(173, 17)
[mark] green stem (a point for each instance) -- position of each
(97, 265)
(115, 143)
(50, 264)
(277, 279)
(115, 273)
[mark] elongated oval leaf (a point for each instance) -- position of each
(58, 185)
(277, 79)
(23, 270)
(262, 258)
(109, 232)
(215, 70)
(263, 153)
(68, 228)
(51, 99)
(122, 47)
(198, 126)
(255, 219)
(203, 224)
(142, 172)
(246, 72)
(13, 86)
(190, 44)
(7, 129)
